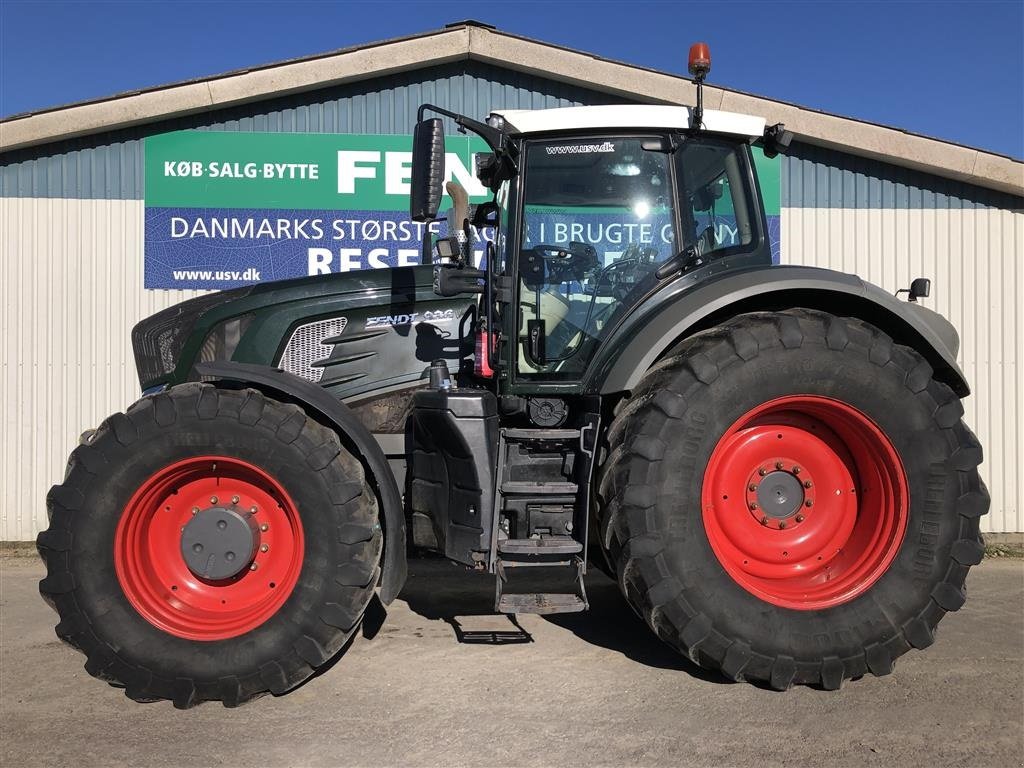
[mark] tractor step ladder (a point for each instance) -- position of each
(539, 602)
(561, 556)
(544, 545)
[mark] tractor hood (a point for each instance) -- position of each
(353, 332)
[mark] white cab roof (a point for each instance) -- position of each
(627, 116)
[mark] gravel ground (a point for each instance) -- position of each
(584, 689)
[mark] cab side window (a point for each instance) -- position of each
(715, 211)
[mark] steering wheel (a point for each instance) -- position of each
(546, 264)
(619, 277)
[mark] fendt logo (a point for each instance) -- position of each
(410, 318)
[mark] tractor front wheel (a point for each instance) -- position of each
(210, 545)
(792, 497)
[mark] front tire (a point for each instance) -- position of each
(291, 536)
(792, 498)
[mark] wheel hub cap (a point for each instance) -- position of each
(780, 495)
(219, 543)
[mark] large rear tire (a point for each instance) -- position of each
(210, 544)
(792, 498)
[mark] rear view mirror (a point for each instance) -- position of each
(427, 169)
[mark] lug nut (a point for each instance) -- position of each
(809, 503)
(753, 505)
(264, 547)
(778, 465)
(799, 518)
(782, 525)
(764, 521)
(195, 510)
(265, 527)
(213, 499)
(762, 471)
(234, 499)
(752, 487)
(807, 483)
(254, 566)
(796, 470)
(252, 509)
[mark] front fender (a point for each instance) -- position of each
(684, 307)
(290, 388)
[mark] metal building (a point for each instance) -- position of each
(854, 196)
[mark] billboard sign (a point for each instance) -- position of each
(224, 209)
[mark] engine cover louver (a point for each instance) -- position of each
(309, 345)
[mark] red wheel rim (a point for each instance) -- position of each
(805, 502)
(154, 574)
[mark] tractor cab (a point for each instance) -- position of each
(604, 217)
(597, 212)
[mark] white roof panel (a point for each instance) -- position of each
(627, 116)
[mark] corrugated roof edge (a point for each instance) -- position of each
(476, 40)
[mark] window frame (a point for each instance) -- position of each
(751, 186)
(525, 381)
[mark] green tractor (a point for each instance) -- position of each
(770, 460)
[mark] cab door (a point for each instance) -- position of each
(598, 217)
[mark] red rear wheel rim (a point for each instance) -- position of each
(154, 574)
(805, 502)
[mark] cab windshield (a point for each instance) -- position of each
(599, 216)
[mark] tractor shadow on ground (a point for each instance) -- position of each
(438, 589)
(610, 623)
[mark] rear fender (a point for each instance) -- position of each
(290, 388)
(684, 308)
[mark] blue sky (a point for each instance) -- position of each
(954, 70)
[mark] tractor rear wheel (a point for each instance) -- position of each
(210, 544)
(791, 498)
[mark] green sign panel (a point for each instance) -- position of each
(293, 171)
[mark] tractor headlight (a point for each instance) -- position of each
(159, 339)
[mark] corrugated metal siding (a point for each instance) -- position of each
(71, 272)
(111, 166)
(814, 177)
(889, 225)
